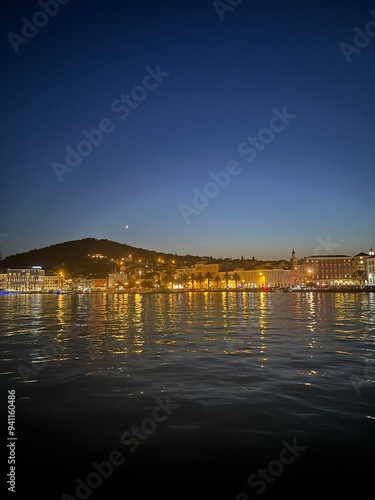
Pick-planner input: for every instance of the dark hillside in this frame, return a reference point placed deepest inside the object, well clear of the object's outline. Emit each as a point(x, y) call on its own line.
point(73, 256)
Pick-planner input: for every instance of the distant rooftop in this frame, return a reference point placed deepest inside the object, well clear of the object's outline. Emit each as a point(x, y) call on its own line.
point(330, 256)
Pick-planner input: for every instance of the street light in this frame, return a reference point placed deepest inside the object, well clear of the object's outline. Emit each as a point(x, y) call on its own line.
point(309, 275)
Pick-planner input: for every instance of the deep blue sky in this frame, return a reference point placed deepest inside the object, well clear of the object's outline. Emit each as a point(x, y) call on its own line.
point(314, 180)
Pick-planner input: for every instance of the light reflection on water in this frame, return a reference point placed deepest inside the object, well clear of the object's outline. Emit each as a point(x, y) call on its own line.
point(260, 349)
point(267, 328)
point(248, 370)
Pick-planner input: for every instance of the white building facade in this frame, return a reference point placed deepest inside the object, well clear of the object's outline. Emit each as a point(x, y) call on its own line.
point(26, 280)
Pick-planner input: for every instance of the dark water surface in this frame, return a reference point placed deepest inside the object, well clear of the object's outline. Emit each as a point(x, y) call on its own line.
point(251, 374)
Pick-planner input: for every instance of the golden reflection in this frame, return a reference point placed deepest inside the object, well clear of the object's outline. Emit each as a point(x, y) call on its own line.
point(342, 308)
point(264, 309)
point(225, 323)
point(207, 299)
point(165, 342)
point(60, 307)
point(311, 312)
point(138, 309)
point(240, 301)
point(225, 308)
point(36, 314)
point(207, 309)
point(343, 352)
point(296, 304)
point(119, 306)
point(138, 341)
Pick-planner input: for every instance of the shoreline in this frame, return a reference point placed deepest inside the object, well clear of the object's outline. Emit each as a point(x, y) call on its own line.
point(247, 290)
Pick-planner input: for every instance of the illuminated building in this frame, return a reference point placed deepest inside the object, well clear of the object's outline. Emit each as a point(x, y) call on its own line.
point(359, 262)
point(370, 268)
point(327, 269)
point(206, 268)
point(51, 281)
point(26, 280)
point(3, 281)
point(117, 279)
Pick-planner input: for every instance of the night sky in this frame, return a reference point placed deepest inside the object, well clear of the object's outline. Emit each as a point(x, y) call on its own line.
point(214, 83)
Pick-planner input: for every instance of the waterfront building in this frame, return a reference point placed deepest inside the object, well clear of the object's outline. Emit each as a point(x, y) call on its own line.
point(82, 284)
point(26, 280)
point(3, 281)
point(229, 279)
point(183, 272)
point(99, 284)
point(359, 262)
point(370, 269)
point(324, 270)
point(306, 271)
point(255, 278)
point(51, 281)
point(270, 278)
point(204, 268)
point(118, 279)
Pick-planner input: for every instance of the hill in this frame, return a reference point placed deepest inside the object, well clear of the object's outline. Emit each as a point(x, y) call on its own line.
point(72, 256)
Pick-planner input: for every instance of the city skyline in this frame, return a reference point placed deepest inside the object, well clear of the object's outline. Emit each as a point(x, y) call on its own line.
point(324, 248)
point(187, 128)
point(132, 274)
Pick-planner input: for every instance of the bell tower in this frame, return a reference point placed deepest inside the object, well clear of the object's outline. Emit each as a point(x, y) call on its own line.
point(294, 278)
point(293, 261)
